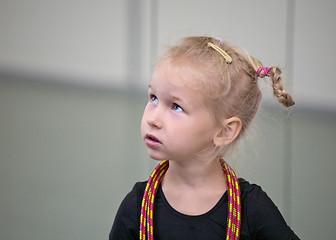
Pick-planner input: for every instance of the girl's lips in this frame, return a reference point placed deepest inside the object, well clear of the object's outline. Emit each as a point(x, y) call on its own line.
point(152, 141)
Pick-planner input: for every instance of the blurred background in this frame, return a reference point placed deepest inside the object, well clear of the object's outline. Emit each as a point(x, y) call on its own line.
point(73, 82)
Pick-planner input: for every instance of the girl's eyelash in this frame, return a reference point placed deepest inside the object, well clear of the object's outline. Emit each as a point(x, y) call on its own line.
point(152, 98)
point(177, 107)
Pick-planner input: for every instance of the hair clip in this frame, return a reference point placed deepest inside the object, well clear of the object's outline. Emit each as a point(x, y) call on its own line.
point(226, 56)
point(265, 69)
point(220, 40)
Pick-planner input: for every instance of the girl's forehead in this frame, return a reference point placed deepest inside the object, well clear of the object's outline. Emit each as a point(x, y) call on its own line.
point(179, 73)
point(177, 83)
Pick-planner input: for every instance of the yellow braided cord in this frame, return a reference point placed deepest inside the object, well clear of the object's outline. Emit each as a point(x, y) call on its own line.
point(237, 232)
point(147, 211)
point(143, 221)
point(153, 173)
point(146, 216)
point(233, 225)
point(233, 229)
point(151, 230)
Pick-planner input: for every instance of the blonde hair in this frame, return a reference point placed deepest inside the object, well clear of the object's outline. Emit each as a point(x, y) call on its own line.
point(231, 88)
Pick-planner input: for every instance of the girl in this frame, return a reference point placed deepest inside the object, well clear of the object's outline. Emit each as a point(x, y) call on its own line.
point(203, 95)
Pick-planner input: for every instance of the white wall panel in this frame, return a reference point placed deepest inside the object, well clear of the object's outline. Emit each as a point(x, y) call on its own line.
point(315, 54)
point(244, 23)
point(84, 41)
point(67, 159)
point(314, 196)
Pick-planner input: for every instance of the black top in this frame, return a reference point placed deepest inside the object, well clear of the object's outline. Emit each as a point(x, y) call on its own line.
point(261, 219)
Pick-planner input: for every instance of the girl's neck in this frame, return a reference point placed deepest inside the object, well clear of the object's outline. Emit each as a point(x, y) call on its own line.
point(202, 184)
point(194, 174)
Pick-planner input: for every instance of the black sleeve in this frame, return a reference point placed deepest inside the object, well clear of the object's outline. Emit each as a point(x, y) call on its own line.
point(264, 219)
point(126, 223)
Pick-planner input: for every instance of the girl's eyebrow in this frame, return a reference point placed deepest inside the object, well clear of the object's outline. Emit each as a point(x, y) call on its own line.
point(174, 97)
point(151, 87)
point(177, 99)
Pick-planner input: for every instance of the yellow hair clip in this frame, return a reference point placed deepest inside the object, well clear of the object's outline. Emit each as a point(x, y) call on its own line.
point(226, 56)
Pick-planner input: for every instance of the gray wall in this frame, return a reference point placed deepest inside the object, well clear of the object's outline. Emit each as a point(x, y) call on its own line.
point(73, 78)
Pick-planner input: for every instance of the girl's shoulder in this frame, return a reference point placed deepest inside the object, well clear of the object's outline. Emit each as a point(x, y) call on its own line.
point(255, 200)
point(261, 215)
point(250, 190)
point(139, 187)
point(252, 195)
point(133, 198)
point(126, 222)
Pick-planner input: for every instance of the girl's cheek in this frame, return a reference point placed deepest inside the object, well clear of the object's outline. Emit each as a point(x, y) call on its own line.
point(144, 117)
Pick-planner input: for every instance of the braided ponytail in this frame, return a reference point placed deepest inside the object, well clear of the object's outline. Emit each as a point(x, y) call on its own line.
point(274, 73)
point(279, 92)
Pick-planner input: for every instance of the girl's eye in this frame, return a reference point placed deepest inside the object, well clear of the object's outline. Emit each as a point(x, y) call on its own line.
point(154, 99)
point(177, 108)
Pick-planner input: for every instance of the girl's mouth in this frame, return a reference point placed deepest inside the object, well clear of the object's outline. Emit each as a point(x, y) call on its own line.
point(153, 138)
point(152, 141)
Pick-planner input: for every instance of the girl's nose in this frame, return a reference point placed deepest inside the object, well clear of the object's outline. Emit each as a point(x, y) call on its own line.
point(154, 119)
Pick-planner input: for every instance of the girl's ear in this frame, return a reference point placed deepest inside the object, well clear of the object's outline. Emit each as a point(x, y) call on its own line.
point(228, 133)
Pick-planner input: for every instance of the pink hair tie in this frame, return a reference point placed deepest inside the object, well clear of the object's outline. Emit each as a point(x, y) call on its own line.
point(265, 69)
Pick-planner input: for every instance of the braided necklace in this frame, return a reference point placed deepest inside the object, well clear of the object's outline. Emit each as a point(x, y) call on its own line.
point(147, 205)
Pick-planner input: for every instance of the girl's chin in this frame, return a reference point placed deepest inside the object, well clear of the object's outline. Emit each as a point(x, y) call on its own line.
point(156, 156)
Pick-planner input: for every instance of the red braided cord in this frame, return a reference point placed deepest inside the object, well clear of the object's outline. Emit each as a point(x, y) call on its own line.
point(151, 206)
point(234, 209)
point(231, 205)
point(238, 205)
point(147, 205)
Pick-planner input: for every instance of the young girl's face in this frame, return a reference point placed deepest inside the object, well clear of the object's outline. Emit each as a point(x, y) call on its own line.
point(176, 125)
